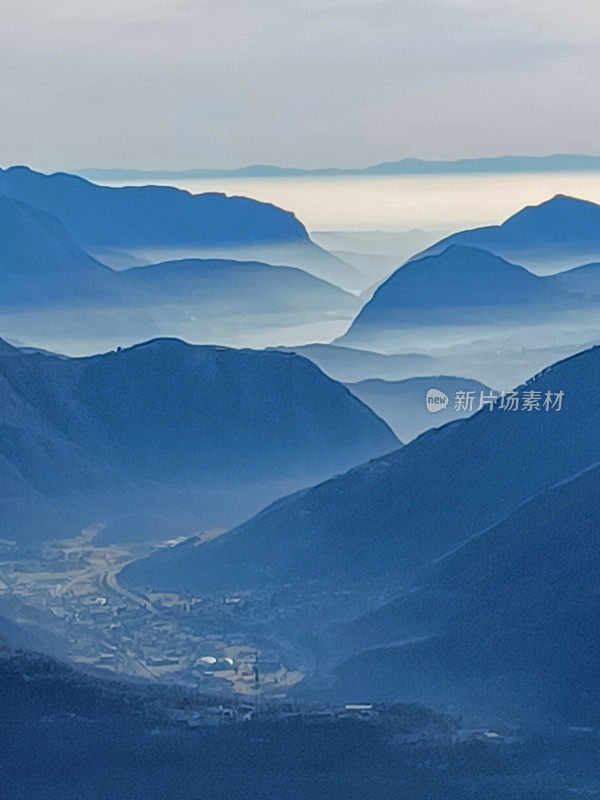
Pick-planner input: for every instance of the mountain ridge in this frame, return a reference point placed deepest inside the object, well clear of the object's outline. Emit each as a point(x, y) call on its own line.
point(460, 285)
point(405, 166)
point(559, 233)
point(126, 223)
point(40, 264)
point(168, 414)
point(88, 210)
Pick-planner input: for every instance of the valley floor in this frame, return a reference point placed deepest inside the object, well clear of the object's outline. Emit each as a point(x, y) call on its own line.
point(69, 595)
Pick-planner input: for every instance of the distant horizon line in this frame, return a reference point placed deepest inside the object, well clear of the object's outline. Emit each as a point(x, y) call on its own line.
point(559, 162)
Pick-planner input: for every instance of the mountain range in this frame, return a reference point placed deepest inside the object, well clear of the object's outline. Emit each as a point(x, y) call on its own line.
point(394, 514)
point(460, 568)
point(405, 166)
point(558, 234)
point(483, 529)
point(103, 216)
point(153, 222)
point(170, 418)
point(43, 268)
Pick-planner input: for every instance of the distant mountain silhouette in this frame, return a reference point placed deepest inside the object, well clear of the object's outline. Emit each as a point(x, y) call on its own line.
point(225, 287)
point(584, 280)
point(402, 404)
point(119, 221)
point(375, 253)
point(347, 364)
point(171, 414)
point(458, 286)
point(41, 265)
point(557, 234)
point(405, 166)
point(498, 164)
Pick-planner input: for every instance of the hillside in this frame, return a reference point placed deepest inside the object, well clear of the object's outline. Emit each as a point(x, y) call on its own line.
point(383, 520)
point(459, 286)
point(169, 414)
point(508, 621)
point(40, 263)
point(56, 718)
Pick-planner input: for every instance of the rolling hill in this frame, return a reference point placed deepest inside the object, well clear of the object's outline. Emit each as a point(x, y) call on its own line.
point(223, 288)
point(459, 286)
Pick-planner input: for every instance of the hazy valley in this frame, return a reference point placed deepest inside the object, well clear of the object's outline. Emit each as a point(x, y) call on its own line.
point(255, 491)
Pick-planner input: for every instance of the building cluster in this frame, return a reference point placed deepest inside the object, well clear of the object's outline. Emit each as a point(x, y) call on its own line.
point(71, 590)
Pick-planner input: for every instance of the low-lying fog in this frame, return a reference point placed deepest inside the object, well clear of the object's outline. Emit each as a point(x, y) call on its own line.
point(400, 202)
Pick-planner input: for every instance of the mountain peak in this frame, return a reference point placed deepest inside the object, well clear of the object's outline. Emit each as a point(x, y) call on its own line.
point(178, 414)
point(468, 255)
point(562, 216)
point(459, 276)
point(562, 198)
point(556, 234)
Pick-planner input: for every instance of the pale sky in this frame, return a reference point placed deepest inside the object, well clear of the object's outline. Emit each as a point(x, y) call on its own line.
point(202, 83)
